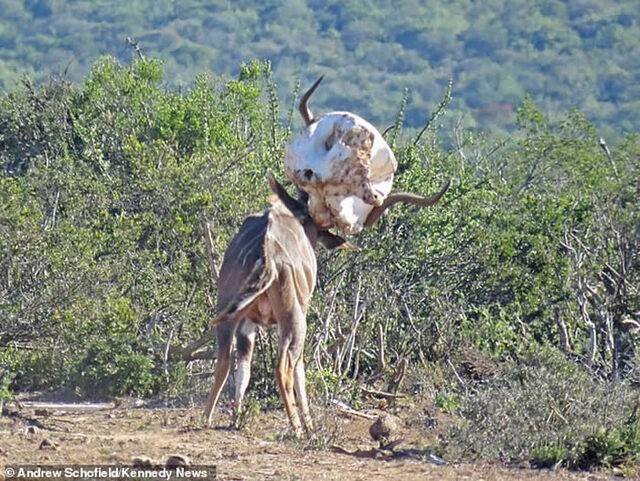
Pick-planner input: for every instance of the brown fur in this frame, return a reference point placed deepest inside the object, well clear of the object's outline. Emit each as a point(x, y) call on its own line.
point(267, 277)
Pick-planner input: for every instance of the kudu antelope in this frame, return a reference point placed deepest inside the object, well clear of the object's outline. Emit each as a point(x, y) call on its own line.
point(267, 278)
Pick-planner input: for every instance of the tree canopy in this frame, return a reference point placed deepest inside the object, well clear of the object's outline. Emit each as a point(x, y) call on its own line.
point(565, 55)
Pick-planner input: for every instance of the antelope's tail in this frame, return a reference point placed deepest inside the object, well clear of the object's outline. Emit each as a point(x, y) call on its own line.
point(258, 282)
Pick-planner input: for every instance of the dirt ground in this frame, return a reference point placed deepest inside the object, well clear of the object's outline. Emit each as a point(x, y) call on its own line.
point(263, 451)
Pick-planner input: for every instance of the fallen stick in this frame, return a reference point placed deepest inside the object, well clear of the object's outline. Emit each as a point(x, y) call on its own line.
point(67, 406)
point(384, 452)
point(62, 420)
point(343, 408)
point(375, 392)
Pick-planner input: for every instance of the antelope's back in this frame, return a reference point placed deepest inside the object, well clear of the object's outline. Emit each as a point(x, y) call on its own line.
point(264, 245)
point(288, 246)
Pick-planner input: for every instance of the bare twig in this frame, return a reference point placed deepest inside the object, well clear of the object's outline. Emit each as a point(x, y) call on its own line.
point(136, 46)
point(376, 392)
point(437, 112)
point(398, 377)
point(213, 266)
point(343, 408)
point(532, 170)
point(187, 353)
point(565, 343)
point(455, 372)
point(55, 208)
point(382, 364)
point(418, 344)
point(605, 148)
point(165, 362)
point(358, 314)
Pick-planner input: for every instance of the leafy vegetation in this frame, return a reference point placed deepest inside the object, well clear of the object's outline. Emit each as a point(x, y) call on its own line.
point(105, 192)
point(112, 189)
point(557, 413)
point(564, 54)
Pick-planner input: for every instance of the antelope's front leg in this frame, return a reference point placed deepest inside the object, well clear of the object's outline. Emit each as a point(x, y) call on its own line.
point(287, 358)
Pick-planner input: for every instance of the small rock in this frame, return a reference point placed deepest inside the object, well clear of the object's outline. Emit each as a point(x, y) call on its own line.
point(385, 428)
point(42, 412)
point(48, 444)
point(142, 462)
point(378, 454)
point(433, 459)
point(177, 461)
point(32, 429)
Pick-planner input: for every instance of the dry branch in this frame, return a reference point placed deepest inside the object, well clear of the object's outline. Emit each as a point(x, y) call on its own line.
point(343, 408)
point(375, 392)
point(382, 364)
point(213, 266)
point(189, 353)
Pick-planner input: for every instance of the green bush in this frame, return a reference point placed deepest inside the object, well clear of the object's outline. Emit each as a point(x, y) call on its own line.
point(108, 189)
point(6, 393)
point(612, 447)
point(113, 367)
point(548, 410)
point(549, 455)
point(604, 448)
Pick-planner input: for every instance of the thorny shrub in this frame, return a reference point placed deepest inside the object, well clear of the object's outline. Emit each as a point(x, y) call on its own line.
point(549, 410)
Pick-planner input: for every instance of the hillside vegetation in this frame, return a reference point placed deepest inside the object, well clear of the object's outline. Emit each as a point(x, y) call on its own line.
point(523, 282)
point(581, 54)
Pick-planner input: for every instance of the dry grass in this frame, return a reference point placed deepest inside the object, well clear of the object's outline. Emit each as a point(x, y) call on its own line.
point(260, 451)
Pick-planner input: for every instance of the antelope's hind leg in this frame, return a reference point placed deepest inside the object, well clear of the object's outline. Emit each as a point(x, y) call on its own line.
point(245, 343)
point(224, 332)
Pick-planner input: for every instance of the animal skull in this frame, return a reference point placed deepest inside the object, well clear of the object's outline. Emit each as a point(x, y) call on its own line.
point(345, 168)
point(344, 165)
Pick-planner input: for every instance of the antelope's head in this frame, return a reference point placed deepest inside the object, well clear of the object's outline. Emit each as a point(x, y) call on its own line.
point(300, 210)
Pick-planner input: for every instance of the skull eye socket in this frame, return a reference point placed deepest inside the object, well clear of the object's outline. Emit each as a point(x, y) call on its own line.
point(331, 140)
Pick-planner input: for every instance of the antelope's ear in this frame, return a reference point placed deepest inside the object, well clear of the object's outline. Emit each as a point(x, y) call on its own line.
point(332, 241)
point(296, 207)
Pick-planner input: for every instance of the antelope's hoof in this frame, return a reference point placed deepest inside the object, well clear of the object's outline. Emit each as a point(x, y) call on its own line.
point(309, 427)
point(207, 421)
